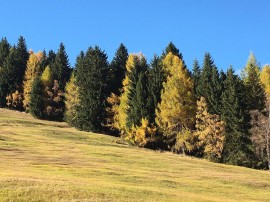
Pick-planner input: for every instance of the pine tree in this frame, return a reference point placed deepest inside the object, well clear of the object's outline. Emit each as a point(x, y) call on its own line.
point(137, 93)
point(237, 146)
point(60, 67)
point(32, 71)
point(72, 100)
point(209, 85)
point(4, 50)
point(253, 86)
point(176, 112)
point(92, 83)
point(8, 83)
point(117, 70)
point(22, 56)
point(137, 103)
point(196, 75)
point(156, 78)
point(36, 104)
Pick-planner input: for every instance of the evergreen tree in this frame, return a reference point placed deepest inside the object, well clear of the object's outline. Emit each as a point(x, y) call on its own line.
point(92, 83)
point(237, 146)
point(60, 67)
point(22, 56)
point(176, 112)
point(196, 75)
point(135, 112)
point(8, 83)
point(118, 70)
point(156, 78)
point(253, 86)
point(137, 103)
point(36, 104)
point(209, 86)
point(4, 50)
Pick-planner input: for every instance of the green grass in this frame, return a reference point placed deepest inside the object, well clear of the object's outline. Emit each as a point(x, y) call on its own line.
point(49, 161)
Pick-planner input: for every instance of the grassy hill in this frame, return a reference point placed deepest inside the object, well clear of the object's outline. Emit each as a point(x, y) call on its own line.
point(49, 161)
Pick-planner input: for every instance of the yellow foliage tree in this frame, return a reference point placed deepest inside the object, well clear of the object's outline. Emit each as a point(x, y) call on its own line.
point(72, 100)
point(176, 112)
point(141, 135)
point(46, 77)
point(112, 112)
point(32, 71)
point(209, 131)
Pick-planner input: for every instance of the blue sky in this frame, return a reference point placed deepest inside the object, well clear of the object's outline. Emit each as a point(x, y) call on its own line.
point(229, 29)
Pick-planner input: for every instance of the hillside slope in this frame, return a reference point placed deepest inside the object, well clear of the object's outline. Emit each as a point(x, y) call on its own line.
point(49, 161)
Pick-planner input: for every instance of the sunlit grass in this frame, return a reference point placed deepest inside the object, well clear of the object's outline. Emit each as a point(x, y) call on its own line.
point(49, 161)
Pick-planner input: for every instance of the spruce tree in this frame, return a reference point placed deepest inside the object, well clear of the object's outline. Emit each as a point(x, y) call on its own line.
point(4, 50)
point(22, 56)
point(117, 70)
point(136, 109)
point(60, 67)
point(137, 103)
point(237, 146)
point(196, 75)
point(253, 87)
point(8, 83)
point(92, 83)
point(209, 85)
point(156, 78)
point(36, 105)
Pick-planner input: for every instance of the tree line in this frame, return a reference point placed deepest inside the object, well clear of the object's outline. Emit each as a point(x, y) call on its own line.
point(161, 105)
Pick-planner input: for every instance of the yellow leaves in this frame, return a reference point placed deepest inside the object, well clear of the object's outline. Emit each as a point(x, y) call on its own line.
point(177, 108)
point(32, 71)
point(141, 135)
point(46, 77)
point(209, 130)
point(265, 78)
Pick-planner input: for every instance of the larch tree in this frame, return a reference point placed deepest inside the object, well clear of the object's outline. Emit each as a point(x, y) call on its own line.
point(209, 131)
point(32, 71)
point(176, 112)
point(72, 100)
point(262, 135)
point(92, 83)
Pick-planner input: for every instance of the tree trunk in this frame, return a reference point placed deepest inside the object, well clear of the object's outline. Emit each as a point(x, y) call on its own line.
point(267, 136)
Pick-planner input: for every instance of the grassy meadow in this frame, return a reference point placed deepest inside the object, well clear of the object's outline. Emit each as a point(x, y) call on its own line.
point(49, 161)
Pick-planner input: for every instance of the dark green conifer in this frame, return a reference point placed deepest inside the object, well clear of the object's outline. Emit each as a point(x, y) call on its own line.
point(196, 75)
point(21, 55)
point(60, 67)
point(36, 104)
point(8, 81)
point(118, 70)
point(253, 87)
point(156, 78)
point(92, 82)
point(4, 50)
point(237, 147)
point(209, 86)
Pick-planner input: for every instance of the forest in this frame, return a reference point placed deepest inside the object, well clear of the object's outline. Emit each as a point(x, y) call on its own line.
point(200, 111)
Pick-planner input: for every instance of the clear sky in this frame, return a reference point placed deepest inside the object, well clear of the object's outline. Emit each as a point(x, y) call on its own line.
point(229, 29)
